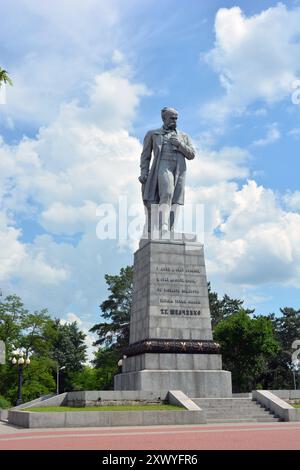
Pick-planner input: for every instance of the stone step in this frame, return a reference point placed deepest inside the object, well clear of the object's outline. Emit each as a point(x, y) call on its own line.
point(224, 398)
point(234, 410)
point(215, 407)
point(241, 412)
point(235, 401)
point(230, 412)
point(232, 405)
point(230, 408)
point(218, 405)
point(242, 420)
point(237, 415)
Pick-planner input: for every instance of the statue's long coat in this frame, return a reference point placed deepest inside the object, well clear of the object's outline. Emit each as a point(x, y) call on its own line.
point(153, 143)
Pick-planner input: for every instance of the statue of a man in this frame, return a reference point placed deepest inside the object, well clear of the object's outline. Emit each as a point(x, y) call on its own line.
point(164, 184)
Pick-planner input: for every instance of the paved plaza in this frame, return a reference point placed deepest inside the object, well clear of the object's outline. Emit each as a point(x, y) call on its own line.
point(254, 436)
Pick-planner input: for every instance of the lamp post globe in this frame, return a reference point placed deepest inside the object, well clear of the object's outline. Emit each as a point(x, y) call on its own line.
point(20, 361)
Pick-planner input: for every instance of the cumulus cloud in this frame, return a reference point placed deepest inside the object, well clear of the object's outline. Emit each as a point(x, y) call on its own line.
point(68, 219)
point(114, 100)
point(259, 241)
point(256, 57)
point(20, 260)
point(76, 158)
point(45, 74)
point(57, 180)
point(292, 200)
point(212, 180)
point(12, 251)
point(210, 167)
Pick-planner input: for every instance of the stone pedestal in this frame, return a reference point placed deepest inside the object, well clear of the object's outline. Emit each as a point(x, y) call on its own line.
point(171, 345)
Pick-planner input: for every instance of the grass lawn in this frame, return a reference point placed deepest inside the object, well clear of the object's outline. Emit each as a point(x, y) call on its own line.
point(297, 406)
point(106, 408)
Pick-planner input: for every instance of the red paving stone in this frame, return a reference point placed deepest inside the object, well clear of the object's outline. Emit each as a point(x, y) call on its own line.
point(258, 436)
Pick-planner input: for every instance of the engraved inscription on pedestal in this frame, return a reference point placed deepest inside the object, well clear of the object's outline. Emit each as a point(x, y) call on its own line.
point(170, 299)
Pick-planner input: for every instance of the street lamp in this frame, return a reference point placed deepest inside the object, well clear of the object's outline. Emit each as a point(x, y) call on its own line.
point(57, 377)
point(295, 368)
point(20, 361)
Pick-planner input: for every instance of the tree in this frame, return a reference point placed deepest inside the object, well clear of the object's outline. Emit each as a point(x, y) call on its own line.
point(34, 326)
point(86, 379)
point(21, 329)
point(117, 310)
point(247, 345)
point(287, 329)
point(106, 363)
point(222, 309)
point(38, 379)
point(12, 312)
point(114, 333)
point(4, 78)
point(67, 349)
point(67, 345)
point(48, 342)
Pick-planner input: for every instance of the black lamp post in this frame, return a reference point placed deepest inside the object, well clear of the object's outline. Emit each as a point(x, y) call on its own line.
point(57, 377)
point(20, 361)
point(295, 369)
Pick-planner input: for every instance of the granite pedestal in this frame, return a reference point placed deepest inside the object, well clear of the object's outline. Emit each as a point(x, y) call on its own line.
point(171, 345)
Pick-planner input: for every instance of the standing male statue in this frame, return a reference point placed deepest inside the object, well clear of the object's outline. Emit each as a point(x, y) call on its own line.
point(164, 184)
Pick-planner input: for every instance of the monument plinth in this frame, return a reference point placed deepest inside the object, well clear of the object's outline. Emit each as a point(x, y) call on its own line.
point(171, 345)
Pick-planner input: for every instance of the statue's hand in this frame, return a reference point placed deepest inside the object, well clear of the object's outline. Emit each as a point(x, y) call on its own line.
point(143, 179)
point(175, 141)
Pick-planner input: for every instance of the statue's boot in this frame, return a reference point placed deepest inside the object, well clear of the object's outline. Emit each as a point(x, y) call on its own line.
point(164, 213)
point(174, 215)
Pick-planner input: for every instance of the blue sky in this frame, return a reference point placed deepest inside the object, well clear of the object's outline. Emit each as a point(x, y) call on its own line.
point(90, 79)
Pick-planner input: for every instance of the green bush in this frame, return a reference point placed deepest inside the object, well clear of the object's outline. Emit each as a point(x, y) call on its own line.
point(4, 403)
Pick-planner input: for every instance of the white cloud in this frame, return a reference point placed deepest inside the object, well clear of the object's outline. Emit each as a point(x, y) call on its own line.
point(73, 164)
point(12, 252)
point(210, 167)
point(44, 73)
point(259, 242)
point(295, 132)
point(68, 219)
point(212, 180)
point(255, 57)
point(292, 200)
point(25, 261)
point(114, 100)
point(57, 180)
point(250, 239)
point(273, 134)
point(71, 317)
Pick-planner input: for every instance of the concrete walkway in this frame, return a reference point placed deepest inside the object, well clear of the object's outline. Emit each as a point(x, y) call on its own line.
point(258, 436)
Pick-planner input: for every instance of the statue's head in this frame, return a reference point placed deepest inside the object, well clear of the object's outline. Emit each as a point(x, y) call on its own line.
point(169, 117)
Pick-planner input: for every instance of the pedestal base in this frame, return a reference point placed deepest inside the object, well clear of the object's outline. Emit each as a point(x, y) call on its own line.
point(194, 383)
